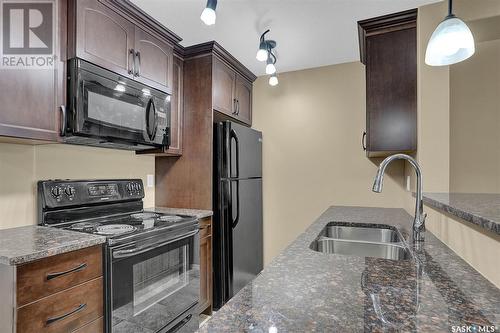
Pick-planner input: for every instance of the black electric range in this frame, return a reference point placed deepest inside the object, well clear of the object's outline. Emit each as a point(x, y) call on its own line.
point(151, 259)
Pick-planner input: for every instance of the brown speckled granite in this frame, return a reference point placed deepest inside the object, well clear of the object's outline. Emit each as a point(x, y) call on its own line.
point(199, 213)
point(482, 209)
point(305, 291)
point(25, 244)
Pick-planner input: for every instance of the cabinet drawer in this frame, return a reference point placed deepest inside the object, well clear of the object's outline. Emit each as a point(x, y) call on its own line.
point(65, 311)
point(50, 275)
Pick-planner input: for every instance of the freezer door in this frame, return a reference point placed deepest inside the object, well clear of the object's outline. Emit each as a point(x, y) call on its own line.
point(243, 151)
point(246, 243)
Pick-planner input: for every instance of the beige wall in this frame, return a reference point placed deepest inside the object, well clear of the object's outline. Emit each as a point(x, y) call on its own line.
point(475, 121)
point(434, 114)
point(22, 165)
point(312, 158)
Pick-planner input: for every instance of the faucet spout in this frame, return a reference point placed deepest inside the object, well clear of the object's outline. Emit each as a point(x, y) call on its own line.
point(419, 219)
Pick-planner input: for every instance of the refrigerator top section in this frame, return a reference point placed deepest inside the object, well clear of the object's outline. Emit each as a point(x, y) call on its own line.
point(242, 152)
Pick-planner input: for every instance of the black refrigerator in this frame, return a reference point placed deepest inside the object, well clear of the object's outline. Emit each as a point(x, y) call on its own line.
point(237, 226)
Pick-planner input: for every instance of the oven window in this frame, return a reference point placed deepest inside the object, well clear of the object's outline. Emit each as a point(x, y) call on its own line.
point(115, 112)
point(157, 278)
point(152, 288)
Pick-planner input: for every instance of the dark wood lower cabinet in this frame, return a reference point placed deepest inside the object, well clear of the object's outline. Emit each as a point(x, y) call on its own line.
point(65, 311)
point(60, 293)
point(205, 305)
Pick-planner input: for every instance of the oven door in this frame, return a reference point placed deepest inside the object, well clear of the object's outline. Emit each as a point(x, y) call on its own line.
point(110, 107)
point(154, 283)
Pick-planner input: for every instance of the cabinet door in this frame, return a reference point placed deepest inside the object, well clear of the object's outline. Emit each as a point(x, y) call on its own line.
point(243, 95)
point(154, 61)
point(177, 109)
point(223, 88)
point(103, 37)
point(31, 99)
point(391, 93)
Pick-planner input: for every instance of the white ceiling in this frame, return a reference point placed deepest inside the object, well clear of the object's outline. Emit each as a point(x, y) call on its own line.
point(310, 33)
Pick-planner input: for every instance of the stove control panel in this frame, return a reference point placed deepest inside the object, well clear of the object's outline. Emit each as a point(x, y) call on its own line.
point(61, 193)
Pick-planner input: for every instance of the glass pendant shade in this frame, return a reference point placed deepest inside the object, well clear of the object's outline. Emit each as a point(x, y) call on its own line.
point(270, 69)
point(208, 16)
point(273, 80)
point(451, 42)
point(262, 53)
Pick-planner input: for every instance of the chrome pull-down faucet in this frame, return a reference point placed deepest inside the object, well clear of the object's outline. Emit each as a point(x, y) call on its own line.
point(419, 220)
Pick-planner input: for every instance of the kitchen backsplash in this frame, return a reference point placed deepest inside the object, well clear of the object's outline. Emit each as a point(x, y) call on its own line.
point(22, 165)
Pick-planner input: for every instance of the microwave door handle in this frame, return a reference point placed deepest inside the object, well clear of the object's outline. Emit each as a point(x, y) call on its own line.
point(141, 249)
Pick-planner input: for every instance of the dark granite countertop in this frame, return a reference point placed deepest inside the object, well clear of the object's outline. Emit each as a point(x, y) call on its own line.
point(482, 209)
point(199, 213)
point(24, 244)
point(306, 291)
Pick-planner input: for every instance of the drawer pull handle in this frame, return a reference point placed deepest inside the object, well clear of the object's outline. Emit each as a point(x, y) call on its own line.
point(58, 318)
point(80, 267)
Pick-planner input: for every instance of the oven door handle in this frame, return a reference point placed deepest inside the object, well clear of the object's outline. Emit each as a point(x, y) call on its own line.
point(141, 249)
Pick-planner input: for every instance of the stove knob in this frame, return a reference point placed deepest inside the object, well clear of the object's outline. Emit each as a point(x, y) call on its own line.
point(129, 187)
point(70, 191)
point(56, 191)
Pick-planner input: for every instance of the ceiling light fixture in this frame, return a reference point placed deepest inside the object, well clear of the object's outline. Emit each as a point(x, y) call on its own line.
point(265, 47)
point(273, 80)
point(451, 42)
point(208, 15)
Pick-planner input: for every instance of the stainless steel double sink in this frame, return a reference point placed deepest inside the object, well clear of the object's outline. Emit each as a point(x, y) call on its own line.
point(379, 241)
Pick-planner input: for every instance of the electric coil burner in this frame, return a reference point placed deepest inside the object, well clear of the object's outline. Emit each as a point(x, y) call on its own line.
point(151, 259)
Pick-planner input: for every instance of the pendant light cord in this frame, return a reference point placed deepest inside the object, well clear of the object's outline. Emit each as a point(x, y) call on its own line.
point(450, 8)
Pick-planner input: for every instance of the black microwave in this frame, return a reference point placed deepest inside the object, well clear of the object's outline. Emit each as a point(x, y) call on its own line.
point(106, 109)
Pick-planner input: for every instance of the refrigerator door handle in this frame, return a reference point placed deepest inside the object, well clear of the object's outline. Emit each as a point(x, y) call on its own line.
point(237, 218)
point(233, 136)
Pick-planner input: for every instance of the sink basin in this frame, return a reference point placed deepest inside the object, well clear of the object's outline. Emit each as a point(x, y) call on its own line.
point(379, 241)
point(361, 249)
point(378, 234)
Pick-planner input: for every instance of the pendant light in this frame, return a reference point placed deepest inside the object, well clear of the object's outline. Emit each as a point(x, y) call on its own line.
point(273, 80)
point(270, 68)
point(451, 42)
point(208, 15)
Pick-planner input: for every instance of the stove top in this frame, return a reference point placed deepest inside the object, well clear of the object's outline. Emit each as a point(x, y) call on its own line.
point(112, 208)
point(135, 223)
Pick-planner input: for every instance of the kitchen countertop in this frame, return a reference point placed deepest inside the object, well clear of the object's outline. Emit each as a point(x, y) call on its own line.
point(199, 213)
point(482, 209)
point(24, 244)
point(302, 290)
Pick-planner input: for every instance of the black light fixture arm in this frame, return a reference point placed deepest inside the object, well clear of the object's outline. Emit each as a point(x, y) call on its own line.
point(262, 37)
point(450, 9)
point(271, 55)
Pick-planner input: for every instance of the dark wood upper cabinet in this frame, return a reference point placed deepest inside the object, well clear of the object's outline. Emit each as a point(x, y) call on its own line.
point(103, 37)
point(177, 110)
point(388, 46)
point(31, 99)
point(224, 79)
point(243, 96)
point(120, 37)
point(232, 92)
point(154, 60)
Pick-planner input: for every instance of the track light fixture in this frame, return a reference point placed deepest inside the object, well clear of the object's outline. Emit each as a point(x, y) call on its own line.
point(265, 53)
point(451, 42)
point(208, 15)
